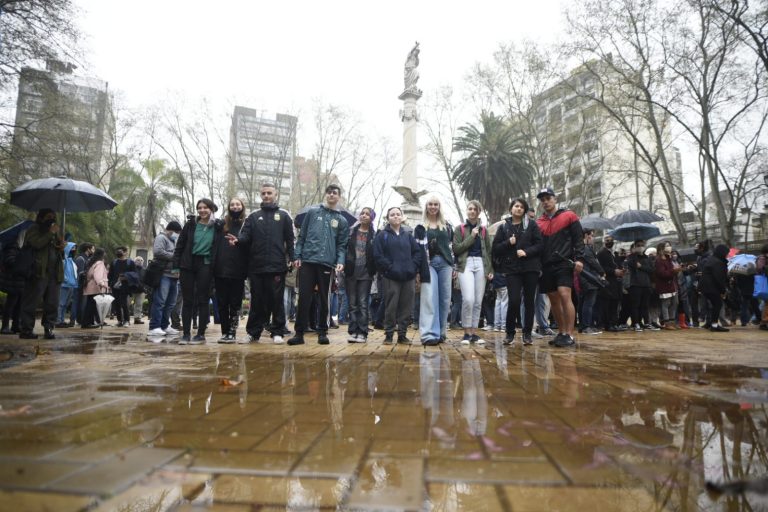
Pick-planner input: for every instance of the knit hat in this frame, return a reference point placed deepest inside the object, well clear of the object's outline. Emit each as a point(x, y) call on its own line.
point(173, 226)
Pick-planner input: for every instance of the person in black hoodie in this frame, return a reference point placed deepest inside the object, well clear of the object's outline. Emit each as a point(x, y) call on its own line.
point(267, 236)
point(194, 255)
point(640, 271)
point(610, 296)
point(118, 283)
point(399, 259)
point(714, 284)
point(229, 271)
point(359, 269)
point(517, 253)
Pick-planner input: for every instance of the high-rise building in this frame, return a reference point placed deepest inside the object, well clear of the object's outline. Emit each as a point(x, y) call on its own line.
point(64, 125)
point(261, 150)
point(589, 158)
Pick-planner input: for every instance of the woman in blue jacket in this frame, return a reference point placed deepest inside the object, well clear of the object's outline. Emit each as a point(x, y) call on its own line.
point(398, 258)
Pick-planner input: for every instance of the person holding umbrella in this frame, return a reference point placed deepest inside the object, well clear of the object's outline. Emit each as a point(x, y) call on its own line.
point(97, 282)
point(47, 249)
point(193, 255)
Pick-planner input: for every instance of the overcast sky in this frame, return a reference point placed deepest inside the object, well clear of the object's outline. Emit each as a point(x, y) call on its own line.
point(279, 56)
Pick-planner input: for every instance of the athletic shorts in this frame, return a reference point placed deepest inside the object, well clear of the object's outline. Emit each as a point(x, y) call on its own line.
point(554, 277)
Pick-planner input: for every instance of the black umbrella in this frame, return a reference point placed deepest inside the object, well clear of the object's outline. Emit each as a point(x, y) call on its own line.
point(643, 216)
point(10, 235)
point(299, 220)
point(61, 194)
point(594, 221)
point(585, 273)
point(634, 231)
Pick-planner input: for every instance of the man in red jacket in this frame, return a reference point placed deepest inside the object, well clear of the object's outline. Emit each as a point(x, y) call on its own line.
point(563, 243)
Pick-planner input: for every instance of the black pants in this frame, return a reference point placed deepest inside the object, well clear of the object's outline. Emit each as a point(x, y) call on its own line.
point(640, 297)
point(715, 305)
point(313, 275)
point(35, 289)
point(267, 310)
point(90, 316)
point(196, 291)
point(12, 310)
point(121, 303)
point(229, 299)
point(521, 286)
point(608, 310)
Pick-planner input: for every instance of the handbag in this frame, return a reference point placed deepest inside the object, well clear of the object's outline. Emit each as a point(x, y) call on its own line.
point(154, 274)
point(761, 287)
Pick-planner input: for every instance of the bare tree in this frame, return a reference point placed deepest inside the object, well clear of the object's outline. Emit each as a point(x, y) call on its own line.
point(441, 122)
point(615, 40)
point(752, 20)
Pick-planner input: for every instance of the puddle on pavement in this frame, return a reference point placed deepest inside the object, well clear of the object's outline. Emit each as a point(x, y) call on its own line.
point(368, 426)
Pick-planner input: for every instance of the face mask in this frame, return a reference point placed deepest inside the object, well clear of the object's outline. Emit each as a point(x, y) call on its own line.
point(235, 215)
point(48, 223)
point(639, 250)
point(174, 237)
point(609, 244)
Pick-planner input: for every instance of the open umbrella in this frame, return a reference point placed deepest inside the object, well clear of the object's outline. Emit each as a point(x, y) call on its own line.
point(351, 219)
point(643, 216)
point(103, 304)
point(10, 235)
point(594, 221)
point(632, 231)
point(61, 194)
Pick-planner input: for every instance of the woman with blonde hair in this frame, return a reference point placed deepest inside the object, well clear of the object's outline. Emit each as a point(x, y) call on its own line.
point(434, 235)
point(472, 247)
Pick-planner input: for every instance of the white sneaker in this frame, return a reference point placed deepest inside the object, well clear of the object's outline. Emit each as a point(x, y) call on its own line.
point(480, 341)
point(171, 331)
point(156, 332)
point(278, 340)
point(353, 338)
point(487, 327)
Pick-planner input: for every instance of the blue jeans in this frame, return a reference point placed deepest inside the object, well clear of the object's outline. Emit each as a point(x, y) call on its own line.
point(435, 300)
point(65, 295)
point(163, 302)
point(358, 293)
point(541, 308)
point(588, 298)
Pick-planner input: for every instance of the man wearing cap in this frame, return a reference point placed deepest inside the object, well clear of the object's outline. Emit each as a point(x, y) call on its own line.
point(164, 296)
point(563, 243)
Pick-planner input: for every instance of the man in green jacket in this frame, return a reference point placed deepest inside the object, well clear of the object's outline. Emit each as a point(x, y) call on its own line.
point(320, 250)
point(47, 246)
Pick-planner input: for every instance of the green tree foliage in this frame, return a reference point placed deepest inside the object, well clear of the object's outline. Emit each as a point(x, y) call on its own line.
point(494, 167)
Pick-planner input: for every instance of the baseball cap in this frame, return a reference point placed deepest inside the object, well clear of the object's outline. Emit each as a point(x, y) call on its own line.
point(548, 191)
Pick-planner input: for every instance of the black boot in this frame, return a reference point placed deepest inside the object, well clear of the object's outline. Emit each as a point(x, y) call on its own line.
point(49, 334)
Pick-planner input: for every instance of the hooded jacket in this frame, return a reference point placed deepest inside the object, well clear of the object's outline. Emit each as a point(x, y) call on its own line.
point(640, 275)
point(528, 238)
point(563, 236)
point(323, 237)
point(267, 236)
point(70, 268)
point(398, 256)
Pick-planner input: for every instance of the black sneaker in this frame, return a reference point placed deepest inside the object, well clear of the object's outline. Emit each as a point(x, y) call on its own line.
point(322, 339)
point(556, 339)
point(49, 334)
point(564, 341)
point(651, 327)
point(402, 339)
point(27, 336)
point(719, 328)
point(198, 339)
point(527, 339)
point(389, 339)
point(298, 339)
point(185, 339)
point(430, 343)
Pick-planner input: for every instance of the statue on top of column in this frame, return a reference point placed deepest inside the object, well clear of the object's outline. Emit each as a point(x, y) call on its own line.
point(411, 69)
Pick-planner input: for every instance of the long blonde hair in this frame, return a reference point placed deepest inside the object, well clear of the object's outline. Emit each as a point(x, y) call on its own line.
point(440, 217)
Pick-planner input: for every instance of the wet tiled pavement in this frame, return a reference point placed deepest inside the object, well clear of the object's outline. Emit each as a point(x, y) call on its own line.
point(626, 422)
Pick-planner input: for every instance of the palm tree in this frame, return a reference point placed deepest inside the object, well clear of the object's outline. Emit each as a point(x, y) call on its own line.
point(494, 168)
point(157, 193)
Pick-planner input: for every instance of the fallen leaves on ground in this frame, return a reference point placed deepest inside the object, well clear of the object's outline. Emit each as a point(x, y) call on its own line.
point(20, 411)
point(230, 383)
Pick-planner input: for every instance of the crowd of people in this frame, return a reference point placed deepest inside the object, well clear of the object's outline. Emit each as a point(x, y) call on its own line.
point(541, 276)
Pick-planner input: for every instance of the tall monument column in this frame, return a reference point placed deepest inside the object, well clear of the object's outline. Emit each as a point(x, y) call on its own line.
point(409, 115)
